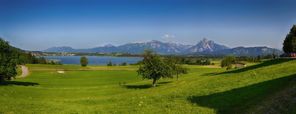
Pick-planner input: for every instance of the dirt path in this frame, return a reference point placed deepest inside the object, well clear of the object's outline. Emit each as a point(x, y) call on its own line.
point(25, 71)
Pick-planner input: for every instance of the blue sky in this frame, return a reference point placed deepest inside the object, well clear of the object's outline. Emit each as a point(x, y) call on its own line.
point(40, 24)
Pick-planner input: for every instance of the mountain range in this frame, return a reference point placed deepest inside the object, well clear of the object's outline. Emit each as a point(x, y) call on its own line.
point(204, 47)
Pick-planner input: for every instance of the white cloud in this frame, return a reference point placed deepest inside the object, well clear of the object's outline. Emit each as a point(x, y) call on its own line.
point(168, 37)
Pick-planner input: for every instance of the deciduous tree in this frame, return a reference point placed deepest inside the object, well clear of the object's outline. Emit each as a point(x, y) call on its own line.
point(83, 61)
point(154, 67)
point(228, 61)
point(7, 61)
point(177, 68)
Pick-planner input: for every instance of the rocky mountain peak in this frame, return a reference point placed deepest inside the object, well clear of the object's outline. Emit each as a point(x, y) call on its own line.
point(206, 45)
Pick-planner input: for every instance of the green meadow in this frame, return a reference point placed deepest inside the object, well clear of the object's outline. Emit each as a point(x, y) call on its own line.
point(118, 89)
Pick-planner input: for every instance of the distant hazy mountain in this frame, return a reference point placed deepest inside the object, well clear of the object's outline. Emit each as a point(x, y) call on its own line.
point(104, 49)
point(159, 47)
point(134, 48)
point(203, 47)
point(60, 49)
point(249, 51)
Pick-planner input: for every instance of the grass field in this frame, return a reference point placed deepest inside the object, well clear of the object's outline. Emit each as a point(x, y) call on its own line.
point(118, 89)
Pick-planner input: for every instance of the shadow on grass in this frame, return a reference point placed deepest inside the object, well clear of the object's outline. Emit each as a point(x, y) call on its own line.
point(260, 65)
point(240, 99)
point(162, 83)
point(263, 64)
point(138, 86)
point(212, 74)
point(18, 83)
point(144, 86)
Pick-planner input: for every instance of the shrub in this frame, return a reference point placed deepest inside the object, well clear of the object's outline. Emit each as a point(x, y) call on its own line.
point(83, 61)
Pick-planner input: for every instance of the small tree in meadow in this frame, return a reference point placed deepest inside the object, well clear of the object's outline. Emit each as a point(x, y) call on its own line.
point(123, 64)
point(83, 61)
point(228, 61)
point(154, 67)
point(177, 68)
point(290, 41)
point(109, 63)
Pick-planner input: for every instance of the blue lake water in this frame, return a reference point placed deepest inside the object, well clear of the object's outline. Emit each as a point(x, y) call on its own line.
point(95, 60)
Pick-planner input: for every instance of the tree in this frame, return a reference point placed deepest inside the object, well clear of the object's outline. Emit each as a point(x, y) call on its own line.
point(290, 41)
point(109, 63)
point(153, 67)
point(180, 70)
point(7, 61)
point(42, 60)
point(83, 61)
point(207, 62)
point(123, 64)
point(177, 69)
point(228, 61)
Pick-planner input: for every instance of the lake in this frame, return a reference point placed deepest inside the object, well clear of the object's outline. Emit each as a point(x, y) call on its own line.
point(95, 60)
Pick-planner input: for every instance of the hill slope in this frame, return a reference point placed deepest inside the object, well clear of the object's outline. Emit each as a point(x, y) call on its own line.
point(101, 88)
point(250, 87)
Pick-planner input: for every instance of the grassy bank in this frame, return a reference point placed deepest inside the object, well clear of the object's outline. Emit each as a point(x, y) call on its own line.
point(118, 89)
